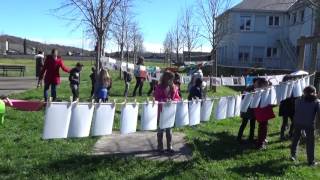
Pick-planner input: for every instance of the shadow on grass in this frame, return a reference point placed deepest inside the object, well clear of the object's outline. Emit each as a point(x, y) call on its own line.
point(277, 167)
point(221, 146)
point(80, 165)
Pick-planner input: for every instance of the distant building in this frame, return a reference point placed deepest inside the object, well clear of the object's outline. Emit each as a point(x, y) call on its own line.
point(264, 33)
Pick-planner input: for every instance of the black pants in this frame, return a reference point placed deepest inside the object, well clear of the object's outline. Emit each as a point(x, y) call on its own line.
point(75, 91)
point(168, 136)
point(310, 141)
point(243, 126)
point(284, 126)
point(92, 89)
point(152, 86)
point(139, 84)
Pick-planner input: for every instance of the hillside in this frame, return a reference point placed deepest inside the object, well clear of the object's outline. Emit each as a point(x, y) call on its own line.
point(16, 46)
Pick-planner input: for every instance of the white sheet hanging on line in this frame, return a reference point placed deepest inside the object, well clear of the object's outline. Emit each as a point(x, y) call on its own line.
point(237, 108)
point(227, 81)
point(221, 110)
point(272, 98)
point(256, 99)
point(81, 118)
point(303, 84)
point(194, 112)
point(149, 117)
point(297, 91)
point(264, 98)
point(246, 101)
point(231, 106)
point(206, 109)
point(289, 90)
point(103, 119)
point(129, 118)
point(307, 79)
point(57, 120)
point(182, 114)
point(168, 115)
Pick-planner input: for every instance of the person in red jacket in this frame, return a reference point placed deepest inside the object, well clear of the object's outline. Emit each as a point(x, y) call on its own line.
point(50, 72)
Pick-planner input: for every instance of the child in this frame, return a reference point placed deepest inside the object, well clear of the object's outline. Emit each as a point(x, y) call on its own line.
point(104, 86)
point(74, 79)
point(166, 91)
point(286, 110)
point(196, 91)
point(127, 79)
point(177, 82)
point(93, 80)
point(139, 78)
point(248, 116)
point(306, 109)
point(153, 83)
point(263, 115)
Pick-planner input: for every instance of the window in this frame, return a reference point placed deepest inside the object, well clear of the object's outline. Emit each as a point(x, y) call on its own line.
point(245, 23)
point(302, 16)
point(244, 53)
point(274, 21)
point(258, 54)
point(272, 52)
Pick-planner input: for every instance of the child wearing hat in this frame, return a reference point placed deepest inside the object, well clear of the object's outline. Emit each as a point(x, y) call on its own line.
point(74, 79)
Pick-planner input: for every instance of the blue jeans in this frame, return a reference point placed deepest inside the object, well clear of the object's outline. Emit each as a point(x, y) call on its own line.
point(53, 91)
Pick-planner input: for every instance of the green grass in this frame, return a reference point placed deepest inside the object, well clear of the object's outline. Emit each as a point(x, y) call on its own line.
point(216, 154)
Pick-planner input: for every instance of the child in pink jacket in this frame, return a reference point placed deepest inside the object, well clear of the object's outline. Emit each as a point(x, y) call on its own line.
point(164, 92)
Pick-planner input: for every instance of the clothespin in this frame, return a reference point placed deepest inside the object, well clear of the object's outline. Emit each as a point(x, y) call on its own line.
point(77, 101)
point(92, 103)
point(197, 100)
point(153, 101)
point(114, 102)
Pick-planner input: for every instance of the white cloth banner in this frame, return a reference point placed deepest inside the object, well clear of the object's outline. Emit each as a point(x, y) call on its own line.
point(297, 91)
point(227, 81)
point(182, 114)
point(221, 110)
point(246, 101)
point(237, 109)
point(149, 117)
point(265, 98)
point(168, 115)
point(81, 118)
point(231, 106)
point(57, 120)
point(194, 112)
point(206, 110)
point(256, 99)
point(289, 90)
point(103, 119)
point(129, 118)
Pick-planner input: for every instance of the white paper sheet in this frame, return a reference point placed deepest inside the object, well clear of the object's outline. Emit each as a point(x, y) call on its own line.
point(231, 106)
point(57, 120)
point(272, 99)
point(303, 84)
point(237, 109)
point(194, 112)
point(307, 79)
point(129, 118)
point(182, 114)
point(149, 117)
point(81, 118)
point(289, 90)
point(103, 119)
point(168, 115)
point(246, 101)
point(206, 109)
point(256, 99)
point(265, 98)
point(221, 110)
point(297, 91)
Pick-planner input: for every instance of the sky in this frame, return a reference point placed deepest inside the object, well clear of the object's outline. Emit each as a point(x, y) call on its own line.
point(36, 20)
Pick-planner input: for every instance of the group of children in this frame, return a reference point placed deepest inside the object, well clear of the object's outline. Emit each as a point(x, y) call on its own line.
point(302, 112)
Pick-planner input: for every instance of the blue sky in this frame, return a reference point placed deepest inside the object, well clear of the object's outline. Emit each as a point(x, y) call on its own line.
point(33, 19)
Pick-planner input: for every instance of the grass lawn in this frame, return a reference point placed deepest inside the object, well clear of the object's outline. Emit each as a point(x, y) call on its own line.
point(216, 154)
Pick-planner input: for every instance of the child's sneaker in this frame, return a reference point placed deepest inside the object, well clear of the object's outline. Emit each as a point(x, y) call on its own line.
point(313, 164)
point(293, 158)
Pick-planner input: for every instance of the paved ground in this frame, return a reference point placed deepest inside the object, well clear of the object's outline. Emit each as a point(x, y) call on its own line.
point(10, 85)
point(143, 145)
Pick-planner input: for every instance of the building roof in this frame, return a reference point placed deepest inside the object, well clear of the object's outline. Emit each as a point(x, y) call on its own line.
point(265, 5)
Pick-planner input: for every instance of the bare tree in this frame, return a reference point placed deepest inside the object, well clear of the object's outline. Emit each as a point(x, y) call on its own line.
point(190, 31)
point(137, 40)
point(178, 38)
point(96, 15)
point(208, 12)
point(168, 47)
